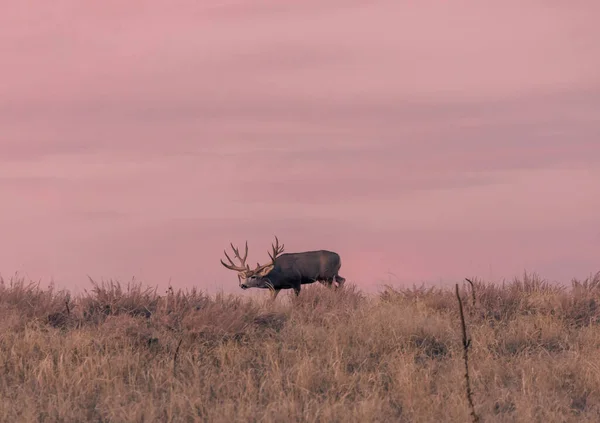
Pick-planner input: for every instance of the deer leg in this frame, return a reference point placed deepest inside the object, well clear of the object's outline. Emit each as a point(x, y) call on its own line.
point(297, 283)
point(274, 293)
point(297, 288)
point(339, 280)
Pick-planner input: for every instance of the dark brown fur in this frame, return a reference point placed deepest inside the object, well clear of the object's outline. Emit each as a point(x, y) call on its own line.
point(292, 270)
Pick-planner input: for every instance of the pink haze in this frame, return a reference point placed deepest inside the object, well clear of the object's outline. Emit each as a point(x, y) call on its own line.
point(423, 141)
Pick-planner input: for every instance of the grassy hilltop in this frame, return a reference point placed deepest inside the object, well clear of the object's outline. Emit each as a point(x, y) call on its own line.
point(131, 354)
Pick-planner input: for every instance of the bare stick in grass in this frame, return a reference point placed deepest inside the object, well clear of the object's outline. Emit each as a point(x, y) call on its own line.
point(472, 290)
point(466, 344)
point(176, 355)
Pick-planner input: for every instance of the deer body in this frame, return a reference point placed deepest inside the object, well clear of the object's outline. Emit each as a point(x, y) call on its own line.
point(289, 270)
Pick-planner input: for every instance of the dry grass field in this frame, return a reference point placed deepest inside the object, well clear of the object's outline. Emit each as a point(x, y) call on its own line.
point(130, 354)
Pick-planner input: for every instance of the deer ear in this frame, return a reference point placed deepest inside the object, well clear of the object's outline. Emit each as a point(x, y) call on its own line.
point(266, 270)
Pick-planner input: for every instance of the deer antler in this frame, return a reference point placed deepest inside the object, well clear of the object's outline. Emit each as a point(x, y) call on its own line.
point(232, 265)
point(276, 250)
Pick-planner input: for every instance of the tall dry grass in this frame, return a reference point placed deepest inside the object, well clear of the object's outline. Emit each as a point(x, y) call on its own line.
point(127, 353)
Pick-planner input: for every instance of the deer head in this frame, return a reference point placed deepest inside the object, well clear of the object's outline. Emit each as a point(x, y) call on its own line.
point(249, 278)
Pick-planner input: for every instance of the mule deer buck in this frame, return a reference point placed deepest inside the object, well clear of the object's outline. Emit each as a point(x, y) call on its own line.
point(287, 270)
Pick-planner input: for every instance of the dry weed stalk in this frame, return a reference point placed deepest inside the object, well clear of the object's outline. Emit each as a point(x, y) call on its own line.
point(466, 343)
point(472, 291)
point(176, 355)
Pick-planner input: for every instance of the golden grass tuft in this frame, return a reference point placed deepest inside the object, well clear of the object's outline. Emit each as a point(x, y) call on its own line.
point(127, 353)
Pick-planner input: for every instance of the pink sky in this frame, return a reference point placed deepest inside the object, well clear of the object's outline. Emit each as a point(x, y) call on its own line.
point(433, 140)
